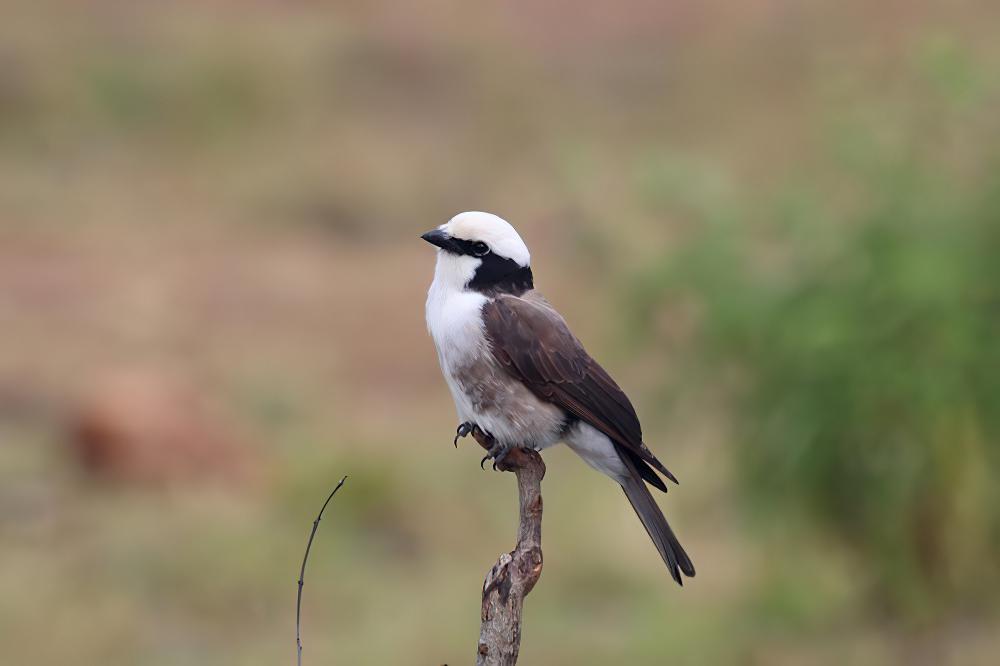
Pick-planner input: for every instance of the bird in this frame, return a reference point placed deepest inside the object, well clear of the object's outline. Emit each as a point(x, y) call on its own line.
point(518, 374)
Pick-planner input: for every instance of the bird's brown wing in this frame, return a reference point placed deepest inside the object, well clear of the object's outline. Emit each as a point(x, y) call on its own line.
point(533, 343)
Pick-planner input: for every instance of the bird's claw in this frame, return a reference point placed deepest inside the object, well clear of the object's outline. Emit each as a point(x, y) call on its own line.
point(463, 430)
point(497, 453)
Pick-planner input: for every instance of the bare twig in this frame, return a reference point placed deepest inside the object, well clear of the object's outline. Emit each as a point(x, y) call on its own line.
point(515, 573)
point(302, 573)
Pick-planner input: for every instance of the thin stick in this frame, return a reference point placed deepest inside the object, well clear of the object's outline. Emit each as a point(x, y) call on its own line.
point(302, 573)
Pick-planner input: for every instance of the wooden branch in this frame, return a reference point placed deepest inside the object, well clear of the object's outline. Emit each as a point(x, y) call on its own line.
point(516, 572)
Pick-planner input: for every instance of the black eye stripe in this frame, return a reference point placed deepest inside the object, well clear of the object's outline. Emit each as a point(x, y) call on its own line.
point(496, 274)
point(471, 248)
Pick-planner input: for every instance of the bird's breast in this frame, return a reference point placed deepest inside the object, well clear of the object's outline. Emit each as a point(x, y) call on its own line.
point(455, 322)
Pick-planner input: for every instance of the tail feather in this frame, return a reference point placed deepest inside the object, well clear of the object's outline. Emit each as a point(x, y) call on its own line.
point(656, 525)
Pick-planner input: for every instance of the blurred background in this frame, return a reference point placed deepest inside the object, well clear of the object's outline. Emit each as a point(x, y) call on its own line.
point(777, 223)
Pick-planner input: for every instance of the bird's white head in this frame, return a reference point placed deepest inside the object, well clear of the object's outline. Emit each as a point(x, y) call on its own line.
point(480, 252)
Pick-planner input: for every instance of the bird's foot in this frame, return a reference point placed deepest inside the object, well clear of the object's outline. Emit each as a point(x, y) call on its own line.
point(470, 428)
point(464, 429)
point(497, 453)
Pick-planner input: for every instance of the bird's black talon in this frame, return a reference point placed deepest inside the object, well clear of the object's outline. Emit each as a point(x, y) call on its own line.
point(463, 430)
point(496, 453)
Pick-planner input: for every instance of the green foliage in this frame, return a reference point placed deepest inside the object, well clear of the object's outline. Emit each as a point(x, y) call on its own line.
point(867, 365)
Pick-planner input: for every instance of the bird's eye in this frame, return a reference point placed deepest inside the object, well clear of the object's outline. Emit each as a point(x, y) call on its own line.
point(480, 249)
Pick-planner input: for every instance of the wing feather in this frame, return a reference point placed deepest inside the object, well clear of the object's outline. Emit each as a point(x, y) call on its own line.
point(533, 343)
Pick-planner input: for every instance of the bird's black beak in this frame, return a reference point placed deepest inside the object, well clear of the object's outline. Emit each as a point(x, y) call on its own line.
point(442, 240)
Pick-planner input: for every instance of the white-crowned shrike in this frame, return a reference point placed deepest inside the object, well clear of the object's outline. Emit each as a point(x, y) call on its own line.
point(518, 374)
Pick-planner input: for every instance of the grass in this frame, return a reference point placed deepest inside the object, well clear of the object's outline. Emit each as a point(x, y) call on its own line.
point(861, 363)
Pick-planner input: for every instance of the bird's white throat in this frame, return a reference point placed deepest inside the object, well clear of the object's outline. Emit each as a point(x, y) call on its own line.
point(454, 314)
point(453, 271)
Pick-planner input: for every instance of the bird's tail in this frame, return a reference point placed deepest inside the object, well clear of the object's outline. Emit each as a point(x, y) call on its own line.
point(656, 525)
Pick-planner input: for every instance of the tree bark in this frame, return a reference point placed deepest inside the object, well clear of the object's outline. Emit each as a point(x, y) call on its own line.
point(516, 572)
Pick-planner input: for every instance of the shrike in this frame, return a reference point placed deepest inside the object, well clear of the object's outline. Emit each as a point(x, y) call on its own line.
point(517, 372)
